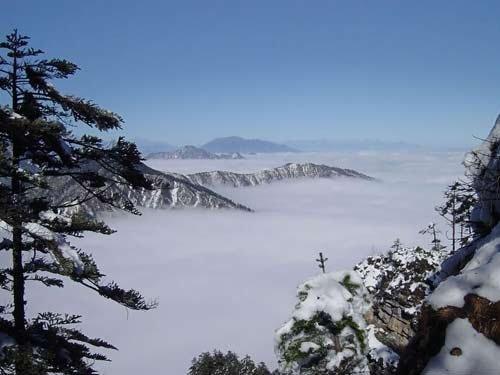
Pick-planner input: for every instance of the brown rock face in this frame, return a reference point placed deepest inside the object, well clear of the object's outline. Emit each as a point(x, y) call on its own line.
point(483, 315)
point(389, 315)
point(398, 282)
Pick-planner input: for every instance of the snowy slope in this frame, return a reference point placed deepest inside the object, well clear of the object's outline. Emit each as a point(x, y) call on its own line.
point(465, 351)
point(480, 276)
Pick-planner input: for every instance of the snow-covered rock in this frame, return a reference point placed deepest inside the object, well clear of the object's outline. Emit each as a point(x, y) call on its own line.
point(382, 296)
point(480, 276)
point(399, 281)
point(483, 168)
point(285, 172)
point(465, 351)
point(459, 326)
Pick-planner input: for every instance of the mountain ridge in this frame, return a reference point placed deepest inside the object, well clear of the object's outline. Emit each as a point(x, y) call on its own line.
point(174, 190)
point(266, 176)
point(192, 152)
point(170, 190)
point(244, 145)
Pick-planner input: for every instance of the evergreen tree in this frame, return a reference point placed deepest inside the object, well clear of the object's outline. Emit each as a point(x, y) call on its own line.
point(434, 232)
point(322, 262)
point(37, 152)
point(456, 210)
point(397, 245)
point(217, 363)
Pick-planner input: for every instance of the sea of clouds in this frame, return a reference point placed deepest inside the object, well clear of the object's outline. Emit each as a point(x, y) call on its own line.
point(226, 279)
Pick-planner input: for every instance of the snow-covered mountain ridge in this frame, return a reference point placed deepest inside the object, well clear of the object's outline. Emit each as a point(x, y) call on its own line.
point(173, 190)
point(285, 172)
point(170, 190)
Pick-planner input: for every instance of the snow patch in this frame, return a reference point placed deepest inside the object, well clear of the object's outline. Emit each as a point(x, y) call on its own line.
point(480, 276)
point(465, 351)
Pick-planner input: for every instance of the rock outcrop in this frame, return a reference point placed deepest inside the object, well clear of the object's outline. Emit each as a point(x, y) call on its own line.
point(458, 330)
point(399, 281)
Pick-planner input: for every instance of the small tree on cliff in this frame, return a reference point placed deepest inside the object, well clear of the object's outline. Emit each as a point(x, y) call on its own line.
point(456, 210)
point(37, 152)
point(434, 232)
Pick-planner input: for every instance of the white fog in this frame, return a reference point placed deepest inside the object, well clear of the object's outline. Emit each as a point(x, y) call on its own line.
point(226, 279)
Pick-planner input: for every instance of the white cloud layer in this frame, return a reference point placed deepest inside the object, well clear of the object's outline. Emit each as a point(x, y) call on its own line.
point(227, 279)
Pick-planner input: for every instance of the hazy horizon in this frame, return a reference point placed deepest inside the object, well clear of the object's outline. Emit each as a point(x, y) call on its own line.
point(148, 145)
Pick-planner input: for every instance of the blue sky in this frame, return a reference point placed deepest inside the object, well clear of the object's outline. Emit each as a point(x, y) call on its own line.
point(186, 71)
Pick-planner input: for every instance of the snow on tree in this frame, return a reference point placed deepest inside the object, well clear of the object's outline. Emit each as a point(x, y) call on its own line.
point(326, 333)
point(218, 363)
point(397, 245)
point(37, 148)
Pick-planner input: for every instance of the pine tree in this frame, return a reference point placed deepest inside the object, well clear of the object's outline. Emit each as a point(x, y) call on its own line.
point(397, 245)
point(225, 364)
point(456, 210)
point(38, 152)
point(322, 262)
point(434, 232)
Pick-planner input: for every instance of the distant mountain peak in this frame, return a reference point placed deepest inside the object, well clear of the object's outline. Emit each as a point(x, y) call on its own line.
point(147, 146)
point(192, 152)
point(243, 145)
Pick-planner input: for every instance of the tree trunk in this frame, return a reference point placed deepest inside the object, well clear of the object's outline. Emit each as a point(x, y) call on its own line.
point(22, 363)
point(453, 224)
point(18, 276)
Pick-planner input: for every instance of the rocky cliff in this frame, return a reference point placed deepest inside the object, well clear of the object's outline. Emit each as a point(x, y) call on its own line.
point(398, 282)
point(458, 330)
